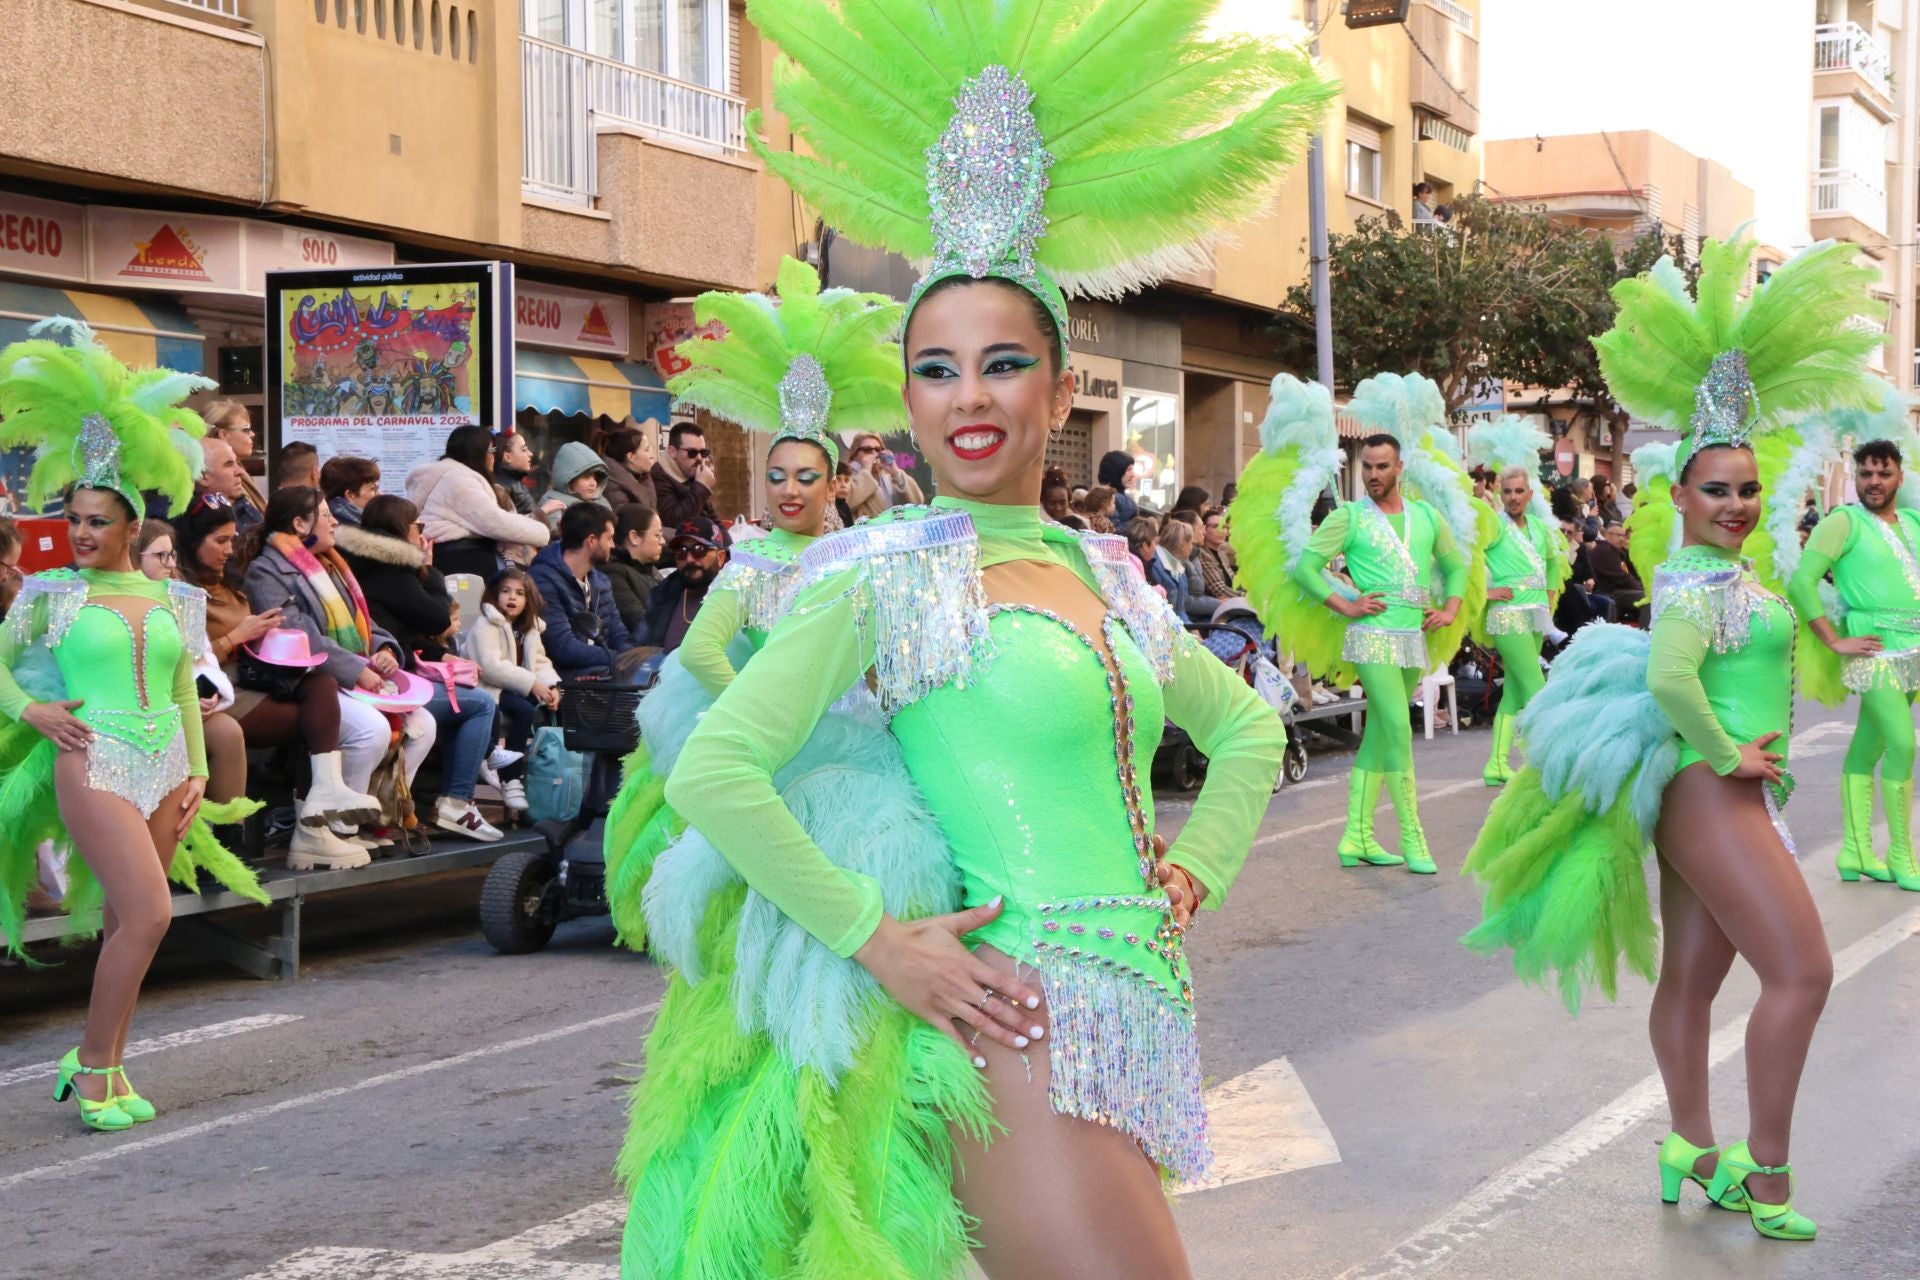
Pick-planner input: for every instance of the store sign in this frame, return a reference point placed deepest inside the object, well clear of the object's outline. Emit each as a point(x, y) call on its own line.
point(1096, 383)
point(276, 246)
point(668, 324)
point(42, 237)
point(173, 251)
point(548, 315)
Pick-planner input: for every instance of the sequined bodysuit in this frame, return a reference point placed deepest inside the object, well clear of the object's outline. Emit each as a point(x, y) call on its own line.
point(123, 645)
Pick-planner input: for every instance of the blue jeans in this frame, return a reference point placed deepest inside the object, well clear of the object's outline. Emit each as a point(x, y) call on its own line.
point(517, 714)
point(465, 738)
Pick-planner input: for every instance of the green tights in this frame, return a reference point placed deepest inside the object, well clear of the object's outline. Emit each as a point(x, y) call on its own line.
point(1520, 660)
point(1386, 745)
point(1883, 736)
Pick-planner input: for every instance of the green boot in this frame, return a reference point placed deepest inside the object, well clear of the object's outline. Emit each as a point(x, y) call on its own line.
point(1406, 807)
point(1499, 772)
point(1900, 832)
point(1857, 857)
point(1357, 844)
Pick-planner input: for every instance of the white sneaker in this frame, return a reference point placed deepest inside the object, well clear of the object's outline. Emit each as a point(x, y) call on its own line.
point(513, 794)
point(463, 819)
point(502, 757)
point(489, 776)
point(314, 848)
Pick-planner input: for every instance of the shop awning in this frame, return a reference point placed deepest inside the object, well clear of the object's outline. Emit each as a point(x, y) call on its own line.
point(147, 333)
point(548, 382)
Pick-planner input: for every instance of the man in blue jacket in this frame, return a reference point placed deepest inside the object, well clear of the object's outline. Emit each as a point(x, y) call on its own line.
point(584, 631)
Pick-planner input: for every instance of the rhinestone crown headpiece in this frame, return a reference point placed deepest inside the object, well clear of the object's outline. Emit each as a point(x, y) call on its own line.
point(1724, 404)
point(805, 399)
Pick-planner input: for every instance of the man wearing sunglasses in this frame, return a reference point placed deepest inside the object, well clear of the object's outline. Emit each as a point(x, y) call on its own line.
point(698, 551)
point(683, 478)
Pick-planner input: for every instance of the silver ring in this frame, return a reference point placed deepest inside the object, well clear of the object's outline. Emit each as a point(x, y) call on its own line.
point(985, 996)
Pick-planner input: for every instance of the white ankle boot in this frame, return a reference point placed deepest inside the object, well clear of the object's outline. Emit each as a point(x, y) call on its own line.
point(317, 847)
point(330, 798)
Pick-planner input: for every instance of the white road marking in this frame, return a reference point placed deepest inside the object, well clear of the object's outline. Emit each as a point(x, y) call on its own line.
point(172, 1040)
point(124, 1148)
point(1439, 1242)
point(1264, 1123)
point(1341, 821)
point(515, 1258)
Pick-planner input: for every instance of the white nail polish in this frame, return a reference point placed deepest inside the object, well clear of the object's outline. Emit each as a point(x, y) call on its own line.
point(979, 1061)
point(1020, 1042)
point(1038, 1032)
point(1033, 1002)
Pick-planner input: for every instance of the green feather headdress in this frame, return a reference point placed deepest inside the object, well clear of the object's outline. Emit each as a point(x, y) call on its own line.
point(802, 366)
point(94, 422)
point(1087, 145)
point(1511, 441)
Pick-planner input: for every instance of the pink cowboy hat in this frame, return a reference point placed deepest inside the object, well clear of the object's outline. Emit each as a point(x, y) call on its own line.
point(410, 692)
point(285, 647)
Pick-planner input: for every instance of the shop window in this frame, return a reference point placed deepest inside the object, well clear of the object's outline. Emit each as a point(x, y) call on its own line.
point(1152, 424)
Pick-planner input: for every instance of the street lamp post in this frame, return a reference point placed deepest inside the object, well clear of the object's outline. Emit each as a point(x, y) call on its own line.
point(1317, 231)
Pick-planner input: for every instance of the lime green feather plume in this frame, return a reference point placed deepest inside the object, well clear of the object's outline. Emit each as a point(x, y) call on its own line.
point(50, 391)
point(1160, 133)
point(748, 374)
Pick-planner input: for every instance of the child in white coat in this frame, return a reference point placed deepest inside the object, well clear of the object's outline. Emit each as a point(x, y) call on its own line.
point(514, 670)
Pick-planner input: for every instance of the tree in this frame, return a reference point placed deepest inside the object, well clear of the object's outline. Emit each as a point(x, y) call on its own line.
point(1502, 291)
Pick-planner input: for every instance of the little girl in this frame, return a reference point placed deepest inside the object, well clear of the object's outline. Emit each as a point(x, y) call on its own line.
point(514, 670)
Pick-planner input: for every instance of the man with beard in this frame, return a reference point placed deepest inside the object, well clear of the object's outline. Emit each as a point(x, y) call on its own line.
point(584, 634)
point(698, 550)
point(1525, 567)
point(1871, 549)
point(1392, 545)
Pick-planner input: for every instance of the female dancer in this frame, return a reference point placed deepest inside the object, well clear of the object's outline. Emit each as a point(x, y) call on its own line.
point(798, 366)
point(1526, 566)
point(1025, 673)
point(1692, 722)
point(112, 721)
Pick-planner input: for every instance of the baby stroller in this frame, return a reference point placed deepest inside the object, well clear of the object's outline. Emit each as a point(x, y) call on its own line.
point(1234, 637)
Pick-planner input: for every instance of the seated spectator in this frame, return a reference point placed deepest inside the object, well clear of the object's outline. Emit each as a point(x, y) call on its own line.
point(1116, 473)
point(1097, 506)
point(634, 570)
point(878, 484)
point(221, 473)
point(1143, 539)
point(579, 475)
point(1176, 558)
point(350, 484)
point(1578, 605)
point(683, 479)
point(230, 422)
point(513, 472)
point(153, 549)
point(1192, 498)
point(1216, 578)
point(630, 453)
point(699, 552)
point(1056, 502)
point(1614, 574)
point(585, 634)
point(469, 520)
point(514, 670)
point(842, 489)
point(299, 465)
point(11, 545)
point(407, 599)
point(344, 739)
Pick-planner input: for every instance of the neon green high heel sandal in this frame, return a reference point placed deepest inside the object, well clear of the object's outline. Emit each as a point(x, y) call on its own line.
point(1857, 857)
point(107, 1117)
point(1357, 845)
point(1900, 863)
point(1499, 770)
point(1775, 1221)
point(120, 1092)
point(1406, 807)
point(1677, 1160)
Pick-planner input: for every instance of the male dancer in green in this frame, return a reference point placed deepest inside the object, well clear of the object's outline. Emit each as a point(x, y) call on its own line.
point(1525, 569)
point(1871, 551)
point(1392, 545)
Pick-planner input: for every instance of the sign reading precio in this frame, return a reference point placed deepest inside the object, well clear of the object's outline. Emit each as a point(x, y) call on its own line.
point(550, 315)
point(42, 237)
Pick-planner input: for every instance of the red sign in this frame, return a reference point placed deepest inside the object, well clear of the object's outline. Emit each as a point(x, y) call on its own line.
point(144, 248)
point(549, 315)
point(1563, 456)
point(168, 255)
point(668, 325)
point(42, 237)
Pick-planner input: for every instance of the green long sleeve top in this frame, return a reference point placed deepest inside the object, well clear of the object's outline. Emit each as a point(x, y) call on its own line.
point(1510, 565)
point(1017, 762)
point(1374, 560)
point(1880, 584)
point(749, 595)
point(1721, 656)
point(94, 645)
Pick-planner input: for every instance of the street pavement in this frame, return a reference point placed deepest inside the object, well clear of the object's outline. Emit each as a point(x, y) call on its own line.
point(1388, 1104)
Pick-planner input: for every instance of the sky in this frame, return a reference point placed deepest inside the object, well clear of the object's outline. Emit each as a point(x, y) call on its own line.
point(1732, 89)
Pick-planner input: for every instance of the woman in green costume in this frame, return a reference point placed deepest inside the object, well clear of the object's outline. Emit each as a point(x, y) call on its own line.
point(1677, 738)
point(1526, 567)
point(100, 733)
point(1020, 674)
point(800, 366)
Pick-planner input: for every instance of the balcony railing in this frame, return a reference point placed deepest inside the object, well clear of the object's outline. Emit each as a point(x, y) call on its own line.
point(1461, 18)
point(566, 95)
point(1840, 45)
point(1844, 191)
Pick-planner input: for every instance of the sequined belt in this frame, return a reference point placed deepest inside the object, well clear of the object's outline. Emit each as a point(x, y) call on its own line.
point(1889, 619)
point(140, 756)
point(1411, 598)
point(1532, 582)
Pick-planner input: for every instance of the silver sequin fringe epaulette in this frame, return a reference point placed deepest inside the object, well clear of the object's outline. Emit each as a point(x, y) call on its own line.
point(65, 593)
point(189, 606)
point(1144, 611)
point(765, 586)
point(919, 603)
point(1721, 600)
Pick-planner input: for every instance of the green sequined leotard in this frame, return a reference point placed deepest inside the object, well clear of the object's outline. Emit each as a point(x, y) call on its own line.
point(1029, 734)
point(1527, 559)
point(751, 594)
point(124, 645)
point(1395, 555)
